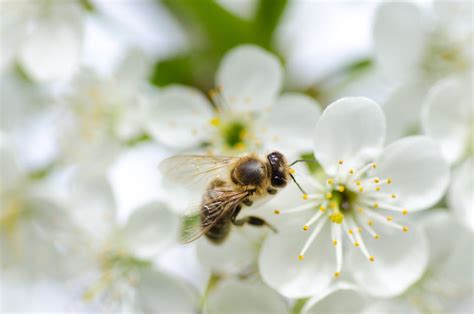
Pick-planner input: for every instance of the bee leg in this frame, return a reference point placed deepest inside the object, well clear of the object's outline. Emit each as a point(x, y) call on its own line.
point(272, 191)
point(247, 202)
point(254, 221)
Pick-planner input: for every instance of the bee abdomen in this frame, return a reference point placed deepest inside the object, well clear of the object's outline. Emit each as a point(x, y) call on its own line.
point(219, 231)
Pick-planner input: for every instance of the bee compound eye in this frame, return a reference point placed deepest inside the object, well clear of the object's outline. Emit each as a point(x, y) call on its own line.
point(278, 181)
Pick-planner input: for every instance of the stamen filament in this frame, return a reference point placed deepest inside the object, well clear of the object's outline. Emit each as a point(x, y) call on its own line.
point(311, 238)
point(300, 208)
point(313, 219)
point(363, 170)
point(359, 239)
point(337, 242)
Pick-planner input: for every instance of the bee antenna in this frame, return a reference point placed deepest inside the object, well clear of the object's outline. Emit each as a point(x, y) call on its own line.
point(303, 160)
point(297, 184)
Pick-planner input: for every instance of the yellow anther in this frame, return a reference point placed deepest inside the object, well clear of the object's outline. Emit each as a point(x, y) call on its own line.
point(377, 188)
point(361, 189)
point(376, 205)
point(351, 171)
point(356, 244)
point(376, 237)
point(322, 208)
point(350, 231)
point(360, 210)
point(334, 242)
point(337, 218)
point(405, 229)
point(328, 195)
point(291, 170)
point(301, 257)
point(389, 218)
point(212, 92)
point(305, 196)
point(359, 229)
point(305, 227)
point(389, 181)
point(358, 183)
point(377, 180)
point(330, 181)
point(341, 162)
point(276, 212)
point(341, 188)
point(337, 274)
point(374, 165)
point(405, 212)
point(370, 222)
point(333, 204)
point(393, 196)
point(215, 121)
point(371, 258)
point(240, 146)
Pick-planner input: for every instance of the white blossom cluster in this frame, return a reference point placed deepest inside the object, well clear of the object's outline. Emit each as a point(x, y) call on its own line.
point(385, 223)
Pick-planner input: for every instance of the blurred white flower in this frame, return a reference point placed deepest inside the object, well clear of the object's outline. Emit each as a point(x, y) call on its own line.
point(439, 290)
point(448, 117)
point(416, 50)
point(44, 37)
point(248, 113)
point(104, 112)
point(243, 296)
point(37, 236)
point(121, 275)
point(362, 184)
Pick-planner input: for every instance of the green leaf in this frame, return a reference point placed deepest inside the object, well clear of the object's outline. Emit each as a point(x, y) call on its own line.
point(174, 70)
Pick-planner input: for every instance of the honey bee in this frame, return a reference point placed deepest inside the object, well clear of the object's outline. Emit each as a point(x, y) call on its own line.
point(231, 182)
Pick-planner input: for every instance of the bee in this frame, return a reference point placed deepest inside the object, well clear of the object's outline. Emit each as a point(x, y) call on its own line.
point(231, 182)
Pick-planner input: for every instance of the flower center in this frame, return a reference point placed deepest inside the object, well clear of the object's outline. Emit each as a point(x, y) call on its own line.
point(353, 200)
point(446, 55)
point(233, 130)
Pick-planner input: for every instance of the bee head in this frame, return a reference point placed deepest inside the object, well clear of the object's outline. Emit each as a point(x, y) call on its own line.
point(279, 169)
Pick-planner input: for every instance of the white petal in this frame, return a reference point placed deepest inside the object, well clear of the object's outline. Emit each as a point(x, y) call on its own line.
point(281, 269)
point(338, 300)
point(447, 117)
point(92, 204)
point(233, 296)
point(419, 173)
point(350, 129)
point(392, 306)
point(158, 292)
point(403, 109)
point(235, 255)
point(461, 193)
point(52, 50)
point(289, 123)
point(399, 39)
point(180, 117)
point(150, 229)
point(250, 77)
point(400, 260)
point(441, 231)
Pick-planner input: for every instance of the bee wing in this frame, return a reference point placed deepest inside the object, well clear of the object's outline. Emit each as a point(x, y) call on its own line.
point(194, 225)
point(194, 169)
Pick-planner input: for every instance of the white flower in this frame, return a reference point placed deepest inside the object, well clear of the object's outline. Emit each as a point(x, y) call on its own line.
point(448, 118)
point(101, 113)
point(45, 37)
point(416, 50)
point(248, 112)
point(121, 274)
point(352, 203)
point(244, 296)
point(446, 282)
point(37, 236)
